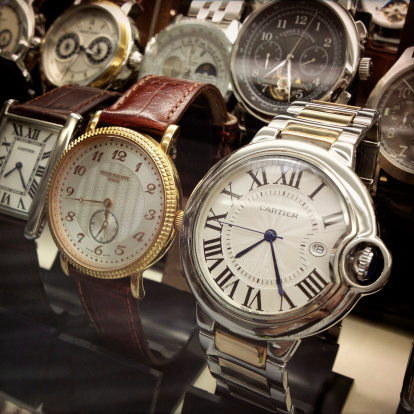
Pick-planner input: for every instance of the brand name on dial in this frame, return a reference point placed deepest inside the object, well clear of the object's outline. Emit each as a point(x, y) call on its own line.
point(25, 149)
point(116, 178)
point(279, 212)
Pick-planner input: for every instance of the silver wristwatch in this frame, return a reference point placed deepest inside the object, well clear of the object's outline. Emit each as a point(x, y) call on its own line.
point(196, 46)
point(279, 242)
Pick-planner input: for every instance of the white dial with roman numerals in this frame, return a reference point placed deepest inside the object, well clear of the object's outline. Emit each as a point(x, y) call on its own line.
point(106, 202)
point(25, 150)
point(267, 232)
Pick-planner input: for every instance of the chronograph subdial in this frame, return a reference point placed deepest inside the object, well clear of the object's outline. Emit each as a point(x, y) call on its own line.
point(313, 60)
point(267, 55)
point(99, 50)
point(67, 46)
point(103, 226)
point(402, 114)
point(5, 38)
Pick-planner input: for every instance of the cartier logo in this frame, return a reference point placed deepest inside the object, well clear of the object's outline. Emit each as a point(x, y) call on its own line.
point(279, 212)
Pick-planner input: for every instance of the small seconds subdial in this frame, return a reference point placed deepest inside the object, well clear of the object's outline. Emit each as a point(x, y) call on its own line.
point(103, 226)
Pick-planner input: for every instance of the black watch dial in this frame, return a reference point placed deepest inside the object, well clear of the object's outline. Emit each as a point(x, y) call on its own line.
point(289, 51)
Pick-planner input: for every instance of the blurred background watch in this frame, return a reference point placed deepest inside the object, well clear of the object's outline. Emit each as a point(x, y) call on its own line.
point(93, 43)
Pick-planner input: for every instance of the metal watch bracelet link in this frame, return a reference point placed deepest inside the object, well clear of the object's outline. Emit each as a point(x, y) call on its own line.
point(351, 132)
point(254, 371)
point(221, 13)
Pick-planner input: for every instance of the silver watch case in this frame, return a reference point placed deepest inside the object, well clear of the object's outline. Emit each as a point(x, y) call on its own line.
point(149, 66)
point(316, 316)
point(356, 36)
point(404, 64)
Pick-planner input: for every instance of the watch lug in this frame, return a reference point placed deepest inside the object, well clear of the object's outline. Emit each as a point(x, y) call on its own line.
point(203, 320)
point(93, 122)
point(169, 137)
point(137, 286)
point(64, 264)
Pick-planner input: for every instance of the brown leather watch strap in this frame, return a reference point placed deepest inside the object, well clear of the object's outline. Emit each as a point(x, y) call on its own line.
point(56, 105)
point(207, 131)
point(150, 106)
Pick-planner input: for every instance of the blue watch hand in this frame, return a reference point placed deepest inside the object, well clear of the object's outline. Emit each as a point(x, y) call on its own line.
point(278, 280)
point(243, 252)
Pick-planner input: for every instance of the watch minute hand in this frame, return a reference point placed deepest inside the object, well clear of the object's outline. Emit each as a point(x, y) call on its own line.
point(289, 56)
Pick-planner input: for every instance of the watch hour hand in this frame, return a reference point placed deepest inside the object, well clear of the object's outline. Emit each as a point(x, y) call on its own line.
point(243, 252)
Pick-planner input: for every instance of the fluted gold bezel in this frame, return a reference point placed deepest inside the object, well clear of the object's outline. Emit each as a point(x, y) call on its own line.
point(172, 196)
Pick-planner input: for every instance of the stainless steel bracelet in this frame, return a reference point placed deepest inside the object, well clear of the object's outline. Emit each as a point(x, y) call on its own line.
point(221, 13)
point(254, 371)
point(350, 132)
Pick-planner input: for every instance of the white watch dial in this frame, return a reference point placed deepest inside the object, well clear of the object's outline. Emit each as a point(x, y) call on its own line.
point(25, 150)
point(80, 46)
point(267, 233)
point(195, 51)
point(106, 203)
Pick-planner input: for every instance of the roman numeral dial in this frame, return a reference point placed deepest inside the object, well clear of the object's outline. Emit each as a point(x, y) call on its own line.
point(265, 235)
point(25, 151)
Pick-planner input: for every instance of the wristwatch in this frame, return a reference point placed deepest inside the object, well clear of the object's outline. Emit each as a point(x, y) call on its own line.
point(22, 27)
point(279, 241)
point(115, 197)
point(32, 137)
point(197, 46)
point(304, 50)
point(393, 193)
point(92, 43)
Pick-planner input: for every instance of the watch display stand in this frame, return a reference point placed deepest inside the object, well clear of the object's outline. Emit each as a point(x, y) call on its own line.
point(66, 368)
point(314, 387)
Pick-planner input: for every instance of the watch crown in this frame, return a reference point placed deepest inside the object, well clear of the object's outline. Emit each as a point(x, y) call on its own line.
point(364, 263)
point(178, 220)
point(365, 68)
point(134, 60)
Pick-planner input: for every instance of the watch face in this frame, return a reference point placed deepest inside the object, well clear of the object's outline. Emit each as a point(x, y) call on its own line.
point(15, 25)
point(197, 51)
point(86, 45)
point(396, 105)
point(25, 151)
point(292, 50)
point(266, 234)
point(109, 208)
point(386, 13)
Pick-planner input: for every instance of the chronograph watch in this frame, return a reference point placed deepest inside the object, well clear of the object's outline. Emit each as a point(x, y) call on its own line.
point(302, 50)
point(279, 241)
point(93, 43)
point(196, 46)
point(115, 198)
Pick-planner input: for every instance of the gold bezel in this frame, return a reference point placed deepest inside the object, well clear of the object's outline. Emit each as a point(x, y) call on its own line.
point(172, 196)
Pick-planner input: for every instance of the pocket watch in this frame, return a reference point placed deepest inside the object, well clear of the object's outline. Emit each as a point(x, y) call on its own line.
point(198, 46)
point(93, 43)
point(115, 196)
point(32, 137)
point(279, 241)
point(302, 50)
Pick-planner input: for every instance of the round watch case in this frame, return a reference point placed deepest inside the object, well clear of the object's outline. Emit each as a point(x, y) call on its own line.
point(397, 122)
point(172, 52)
point(326, 309)
point(107, 58)
point(385, 13)
point(262, 26)
point(159, 242)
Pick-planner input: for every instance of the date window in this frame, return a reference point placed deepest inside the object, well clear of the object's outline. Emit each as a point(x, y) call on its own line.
point(318, 249)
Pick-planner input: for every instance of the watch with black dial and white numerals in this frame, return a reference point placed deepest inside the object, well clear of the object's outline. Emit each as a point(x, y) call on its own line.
point(115, 200)
point(32, 137)
point(301, 50)
point(279, 241)
point(198, 46)
point(93, 43)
